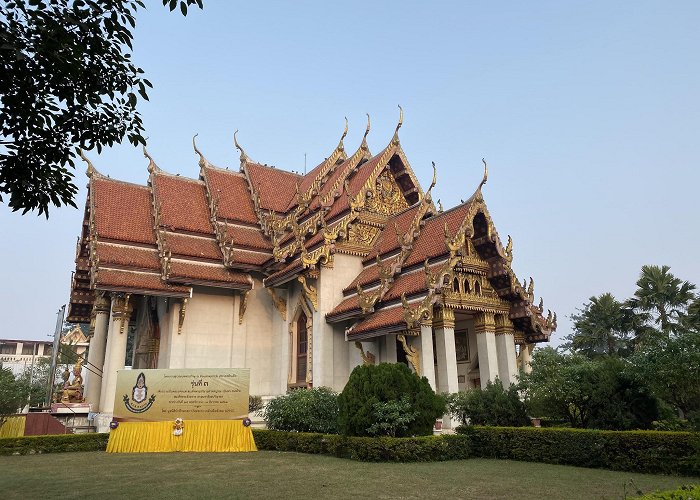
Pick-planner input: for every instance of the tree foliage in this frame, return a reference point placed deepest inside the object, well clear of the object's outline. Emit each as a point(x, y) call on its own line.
point(12, 395)
point(600, 394)
point(387, 382)
point(67, 81)
point(304, 410)
point(493, 405)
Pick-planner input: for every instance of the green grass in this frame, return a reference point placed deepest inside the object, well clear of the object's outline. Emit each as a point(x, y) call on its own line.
point(271, 474)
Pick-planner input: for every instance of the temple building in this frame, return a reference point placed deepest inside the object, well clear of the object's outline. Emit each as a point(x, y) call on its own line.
point(299, 277)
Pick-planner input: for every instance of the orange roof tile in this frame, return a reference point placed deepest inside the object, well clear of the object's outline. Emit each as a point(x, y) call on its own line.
point(248, 237)
point(188, 271)
point(431, 241)
point(383, 318)
point(183, 203)
point(387, 240)
point(123, 211)
point(410, 283)
point(127, 256)
point(230, 189)
point(118, 280)
point(193, 246)
point(275, 187)
point(348, 304)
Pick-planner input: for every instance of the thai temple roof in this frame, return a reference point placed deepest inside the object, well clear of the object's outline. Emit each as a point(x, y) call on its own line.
point(224, 227)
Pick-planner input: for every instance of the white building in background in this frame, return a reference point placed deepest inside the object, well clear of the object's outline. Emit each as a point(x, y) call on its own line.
point(299, 277)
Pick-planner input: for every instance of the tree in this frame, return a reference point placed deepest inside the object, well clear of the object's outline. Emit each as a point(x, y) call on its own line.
point(601, 393)
point(671, 367)
point(663, 295)
point(67, 80)
point(603, 327)
point(369, 385)
point(12, 398)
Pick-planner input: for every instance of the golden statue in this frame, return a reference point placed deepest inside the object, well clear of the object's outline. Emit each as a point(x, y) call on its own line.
point(73, 392)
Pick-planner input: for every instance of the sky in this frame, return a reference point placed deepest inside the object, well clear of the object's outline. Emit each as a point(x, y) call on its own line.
point(588, 114)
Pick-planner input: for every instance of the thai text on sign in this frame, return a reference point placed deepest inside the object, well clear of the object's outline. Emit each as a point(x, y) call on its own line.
point(188, 393)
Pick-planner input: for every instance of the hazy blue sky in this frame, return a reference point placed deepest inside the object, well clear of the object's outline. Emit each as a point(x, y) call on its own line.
point(587, 112)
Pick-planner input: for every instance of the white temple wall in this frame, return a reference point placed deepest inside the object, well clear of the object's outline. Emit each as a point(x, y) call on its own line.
point(330, 352)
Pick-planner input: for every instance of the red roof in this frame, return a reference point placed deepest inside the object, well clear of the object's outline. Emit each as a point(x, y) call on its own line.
point(131, 281)
point(183, 203)
point(187, 271)
point(383, 318)
point(230, 189)
point(123, 211)
point(193, 246)
point(275, 187)
point(431, 241)
point(127, 256)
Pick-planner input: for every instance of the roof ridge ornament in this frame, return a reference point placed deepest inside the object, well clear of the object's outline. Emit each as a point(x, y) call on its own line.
point(244, 156)
point(91, 170)
point(486, 173)
point(152, 167)
point(345, 132)
point(203, 162)
point(395, 140)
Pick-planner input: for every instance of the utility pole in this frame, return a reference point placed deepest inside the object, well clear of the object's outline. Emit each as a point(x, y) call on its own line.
point(54, 355)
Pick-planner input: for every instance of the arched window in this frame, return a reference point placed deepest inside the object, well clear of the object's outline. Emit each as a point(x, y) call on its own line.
point(477, 288)
point(455, 285)
point(301, 349)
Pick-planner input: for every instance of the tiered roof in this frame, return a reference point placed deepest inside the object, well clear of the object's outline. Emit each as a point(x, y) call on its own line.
point(224, 227)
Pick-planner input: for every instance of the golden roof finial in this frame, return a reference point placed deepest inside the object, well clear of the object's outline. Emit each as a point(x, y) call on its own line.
point(90, 167)
point(244, 156)
point(398, 125)
point(152, 167)
point(486, 173)
point(203, 162)
point(440, 209)
point(345, 132)
point(367, 129)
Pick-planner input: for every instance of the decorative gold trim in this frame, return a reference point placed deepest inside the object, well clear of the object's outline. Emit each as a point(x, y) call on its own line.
point(242, 305)
point(412, 354)
point(444, 317)
point(504, 325)
point(181, 317)
point(121, 309)
point(367, 358)
point(309, 292)
point(279, 302)
point(484, 323)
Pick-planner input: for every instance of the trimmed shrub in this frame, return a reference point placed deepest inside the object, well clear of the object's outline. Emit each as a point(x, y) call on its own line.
point(384, 449)
point(686, 492)
point(29, 445)
point(636, 451)
point(371, 385)
point(493, 405)
point(304, 410)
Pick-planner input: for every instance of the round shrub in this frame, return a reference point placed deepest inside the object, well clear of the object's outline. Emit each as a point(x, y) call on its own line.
point(304, 410)
point(362, 403)
point(493, 405)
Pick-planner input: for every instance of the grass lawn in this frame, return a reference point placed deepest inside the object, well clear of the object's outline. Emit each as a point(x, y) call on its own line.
point(271, 474)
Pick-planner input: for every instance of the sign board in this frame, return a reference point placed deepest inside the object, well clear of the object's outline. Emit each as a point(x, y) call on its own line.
point(188, 393)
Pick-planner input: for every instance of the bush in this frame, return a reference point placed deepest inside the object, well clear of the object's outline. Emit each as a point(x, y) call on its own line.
point(29, 445)
point(635, 451)
point(255, 403)
point(493, 405)
point(304, 410)
point(382, 449)
point(687, 492)
point(372, 384)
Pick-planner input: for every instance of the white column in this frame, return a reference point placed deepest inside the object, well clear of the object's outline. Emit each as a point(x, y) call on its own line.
point(446, 357)
point(526, 357)
point(96, 352)
point(427, 360)
point(389, 349)
point(485, 327)
point(116, 350)
point(505, 350)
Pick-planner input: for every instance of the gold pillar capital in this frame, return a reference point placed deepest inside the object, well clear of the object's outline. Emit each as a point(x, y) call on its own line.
point(121, 309)
point(102, 303)
point(504, 325)
point(484, 322)
point(444, 318)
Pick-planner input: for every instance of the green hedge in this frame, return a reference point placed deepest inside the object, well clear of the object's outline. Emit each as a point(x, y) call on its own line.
point(367, 449)
point(634, 451)
point(30, 445)
point(686, 492)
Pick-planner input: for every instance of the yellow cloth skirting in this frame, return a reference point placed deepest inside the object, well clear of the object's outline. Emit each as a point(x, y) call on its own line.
point(197, 435)
point(12, 427)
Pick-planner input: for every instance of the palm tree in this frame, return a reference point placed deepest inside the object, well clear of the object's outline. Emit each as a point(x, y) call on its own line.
point(603, 327)
point(663, 295)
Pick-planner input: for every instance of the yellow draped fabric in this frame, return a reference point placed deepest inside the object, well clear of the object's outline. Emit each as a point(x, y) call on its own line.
point(197, 435)
point(12, 427)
